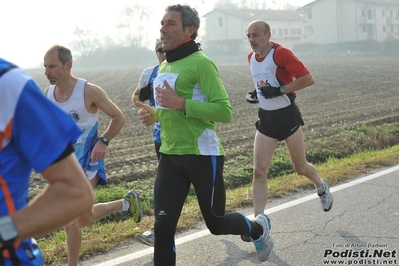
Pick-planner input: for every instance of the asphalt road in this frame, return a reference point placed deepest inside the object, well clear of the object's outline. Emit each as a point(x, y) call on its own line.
point(361, 229)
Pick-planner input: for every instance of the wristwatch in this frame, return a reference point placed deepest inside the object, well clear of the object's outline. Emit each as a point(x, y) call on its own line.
point(282, 89)
point(104, 140)
point(8, 231)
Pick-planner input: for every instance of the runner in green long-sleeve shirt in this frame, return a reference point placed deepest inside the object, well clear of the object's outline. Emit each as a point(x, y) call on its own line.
point(189, 99)
point(196, 79)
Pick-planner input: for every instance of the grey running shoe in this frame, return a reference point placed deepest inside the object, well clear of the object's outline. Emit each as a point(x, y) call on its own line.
point(264, 244)
point(247, 238)
point(134, 210)
point(147, 237)
point(326, 198)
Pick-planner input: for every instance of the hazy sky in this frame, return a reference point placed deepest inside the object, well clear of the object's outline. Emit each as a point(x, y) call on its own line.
point(29, 27)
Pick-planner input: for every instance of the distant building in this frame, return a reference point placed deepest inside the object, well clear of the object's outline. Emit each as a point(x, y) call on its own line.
point(335, 21)
point(226, 28)
point(319, 22)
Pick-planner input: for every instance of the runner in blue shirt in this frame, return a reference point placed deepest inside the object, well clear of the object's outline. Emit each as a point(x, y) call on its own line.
point(35, 134)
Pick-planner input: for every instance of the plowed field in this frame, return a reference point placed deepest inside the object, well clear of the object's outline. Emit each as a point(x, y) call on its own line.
point(348, 92)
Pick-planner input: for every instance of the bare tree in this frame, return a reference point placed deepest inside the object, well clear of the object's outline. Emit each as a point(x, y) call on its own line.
point(226, 4)
point(85, 42)
point(242, 4)
point(289, 6)
point(133, 24)
point(109, 42)
point(253, 4)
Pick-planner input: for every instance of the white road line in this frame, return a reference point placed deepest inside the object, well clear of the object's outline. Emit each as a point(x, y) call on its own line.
point(281, 207)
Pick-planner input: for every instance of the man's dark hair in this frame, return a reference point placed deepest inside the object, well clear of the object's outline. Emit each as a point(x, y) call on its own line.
point(189, 16)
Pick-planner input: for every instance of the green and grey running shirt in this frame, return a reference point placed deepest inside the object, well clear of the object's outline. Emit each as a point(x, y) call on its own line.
point(192, 132)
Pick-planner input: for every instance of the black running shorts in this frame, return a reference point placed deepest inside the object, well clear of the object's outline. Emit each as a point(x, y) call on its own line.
point(279, 124)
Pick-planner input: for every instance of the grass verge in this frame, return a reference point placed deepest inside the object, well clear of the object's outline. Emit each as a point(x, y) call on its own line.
point(346, 155)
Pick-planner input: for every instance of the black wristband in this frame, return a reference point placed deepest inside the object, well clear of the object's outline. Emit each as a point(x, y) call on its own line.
point(145, 93)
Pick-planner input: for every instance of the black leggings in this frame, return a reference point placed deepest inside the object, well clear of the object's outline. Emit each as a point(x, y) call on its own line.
point(157, 146)
point(175, 175)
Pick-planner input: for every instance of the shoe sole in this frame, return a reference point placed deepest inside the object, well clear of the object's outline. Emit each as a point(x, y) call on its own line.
point(271, 244)
point(332, 202)
point(332, 198)
point(271, 240)
point(136, 197)
point(138, 207)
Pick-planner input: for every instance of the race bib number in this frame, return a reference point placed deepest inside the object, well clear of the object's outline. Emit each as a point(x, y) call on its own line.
point(158, 82)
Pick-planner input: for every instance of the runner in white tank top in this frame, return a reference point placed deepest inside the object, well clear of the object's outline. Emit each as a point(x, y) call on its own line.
point(88, 122)
point(277, 74)
point(83, 100)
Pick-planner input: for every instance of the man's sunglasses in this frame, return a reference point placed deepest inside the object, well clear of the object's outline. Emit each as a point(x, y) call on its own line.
point(160, 50)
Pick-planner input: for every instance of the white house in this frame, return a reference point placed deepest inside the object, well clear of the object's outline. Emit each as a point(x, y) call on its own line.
point(334, 21)
point(319, 22)
point(226, 28)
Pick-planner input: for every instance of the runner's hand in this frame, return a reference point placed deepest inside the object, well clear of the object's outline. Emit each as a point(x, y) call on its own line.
point(252, 97)
point(147, 114)
point(270, 92)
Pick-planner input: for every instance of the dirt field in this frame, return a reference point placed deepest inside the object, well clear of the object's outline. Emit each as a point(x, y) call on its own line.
point(348, 92)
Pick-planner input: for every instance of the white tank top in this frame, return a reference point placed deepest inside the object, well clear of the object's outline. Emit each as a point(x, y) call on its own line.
point(88, 122)
point(265, 72)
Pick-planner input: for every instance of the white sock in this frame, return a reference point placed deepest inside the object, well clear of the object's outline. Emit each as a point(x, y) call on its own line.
point(125, 205)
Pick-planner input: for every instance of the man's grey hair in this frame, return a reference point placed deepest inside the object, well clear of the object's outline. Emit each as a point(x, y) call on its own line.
point(189, 17)
point(64, 54)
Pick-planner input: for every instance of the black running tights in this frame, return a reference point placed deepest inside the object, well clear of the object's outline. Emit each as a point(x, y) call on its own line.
point(175, 175)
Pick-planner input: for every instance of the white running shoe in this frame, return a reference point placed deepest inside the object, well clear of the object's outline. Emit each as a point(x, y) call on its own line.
point(326, 198)
point(264, 244)
point(147, 237)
